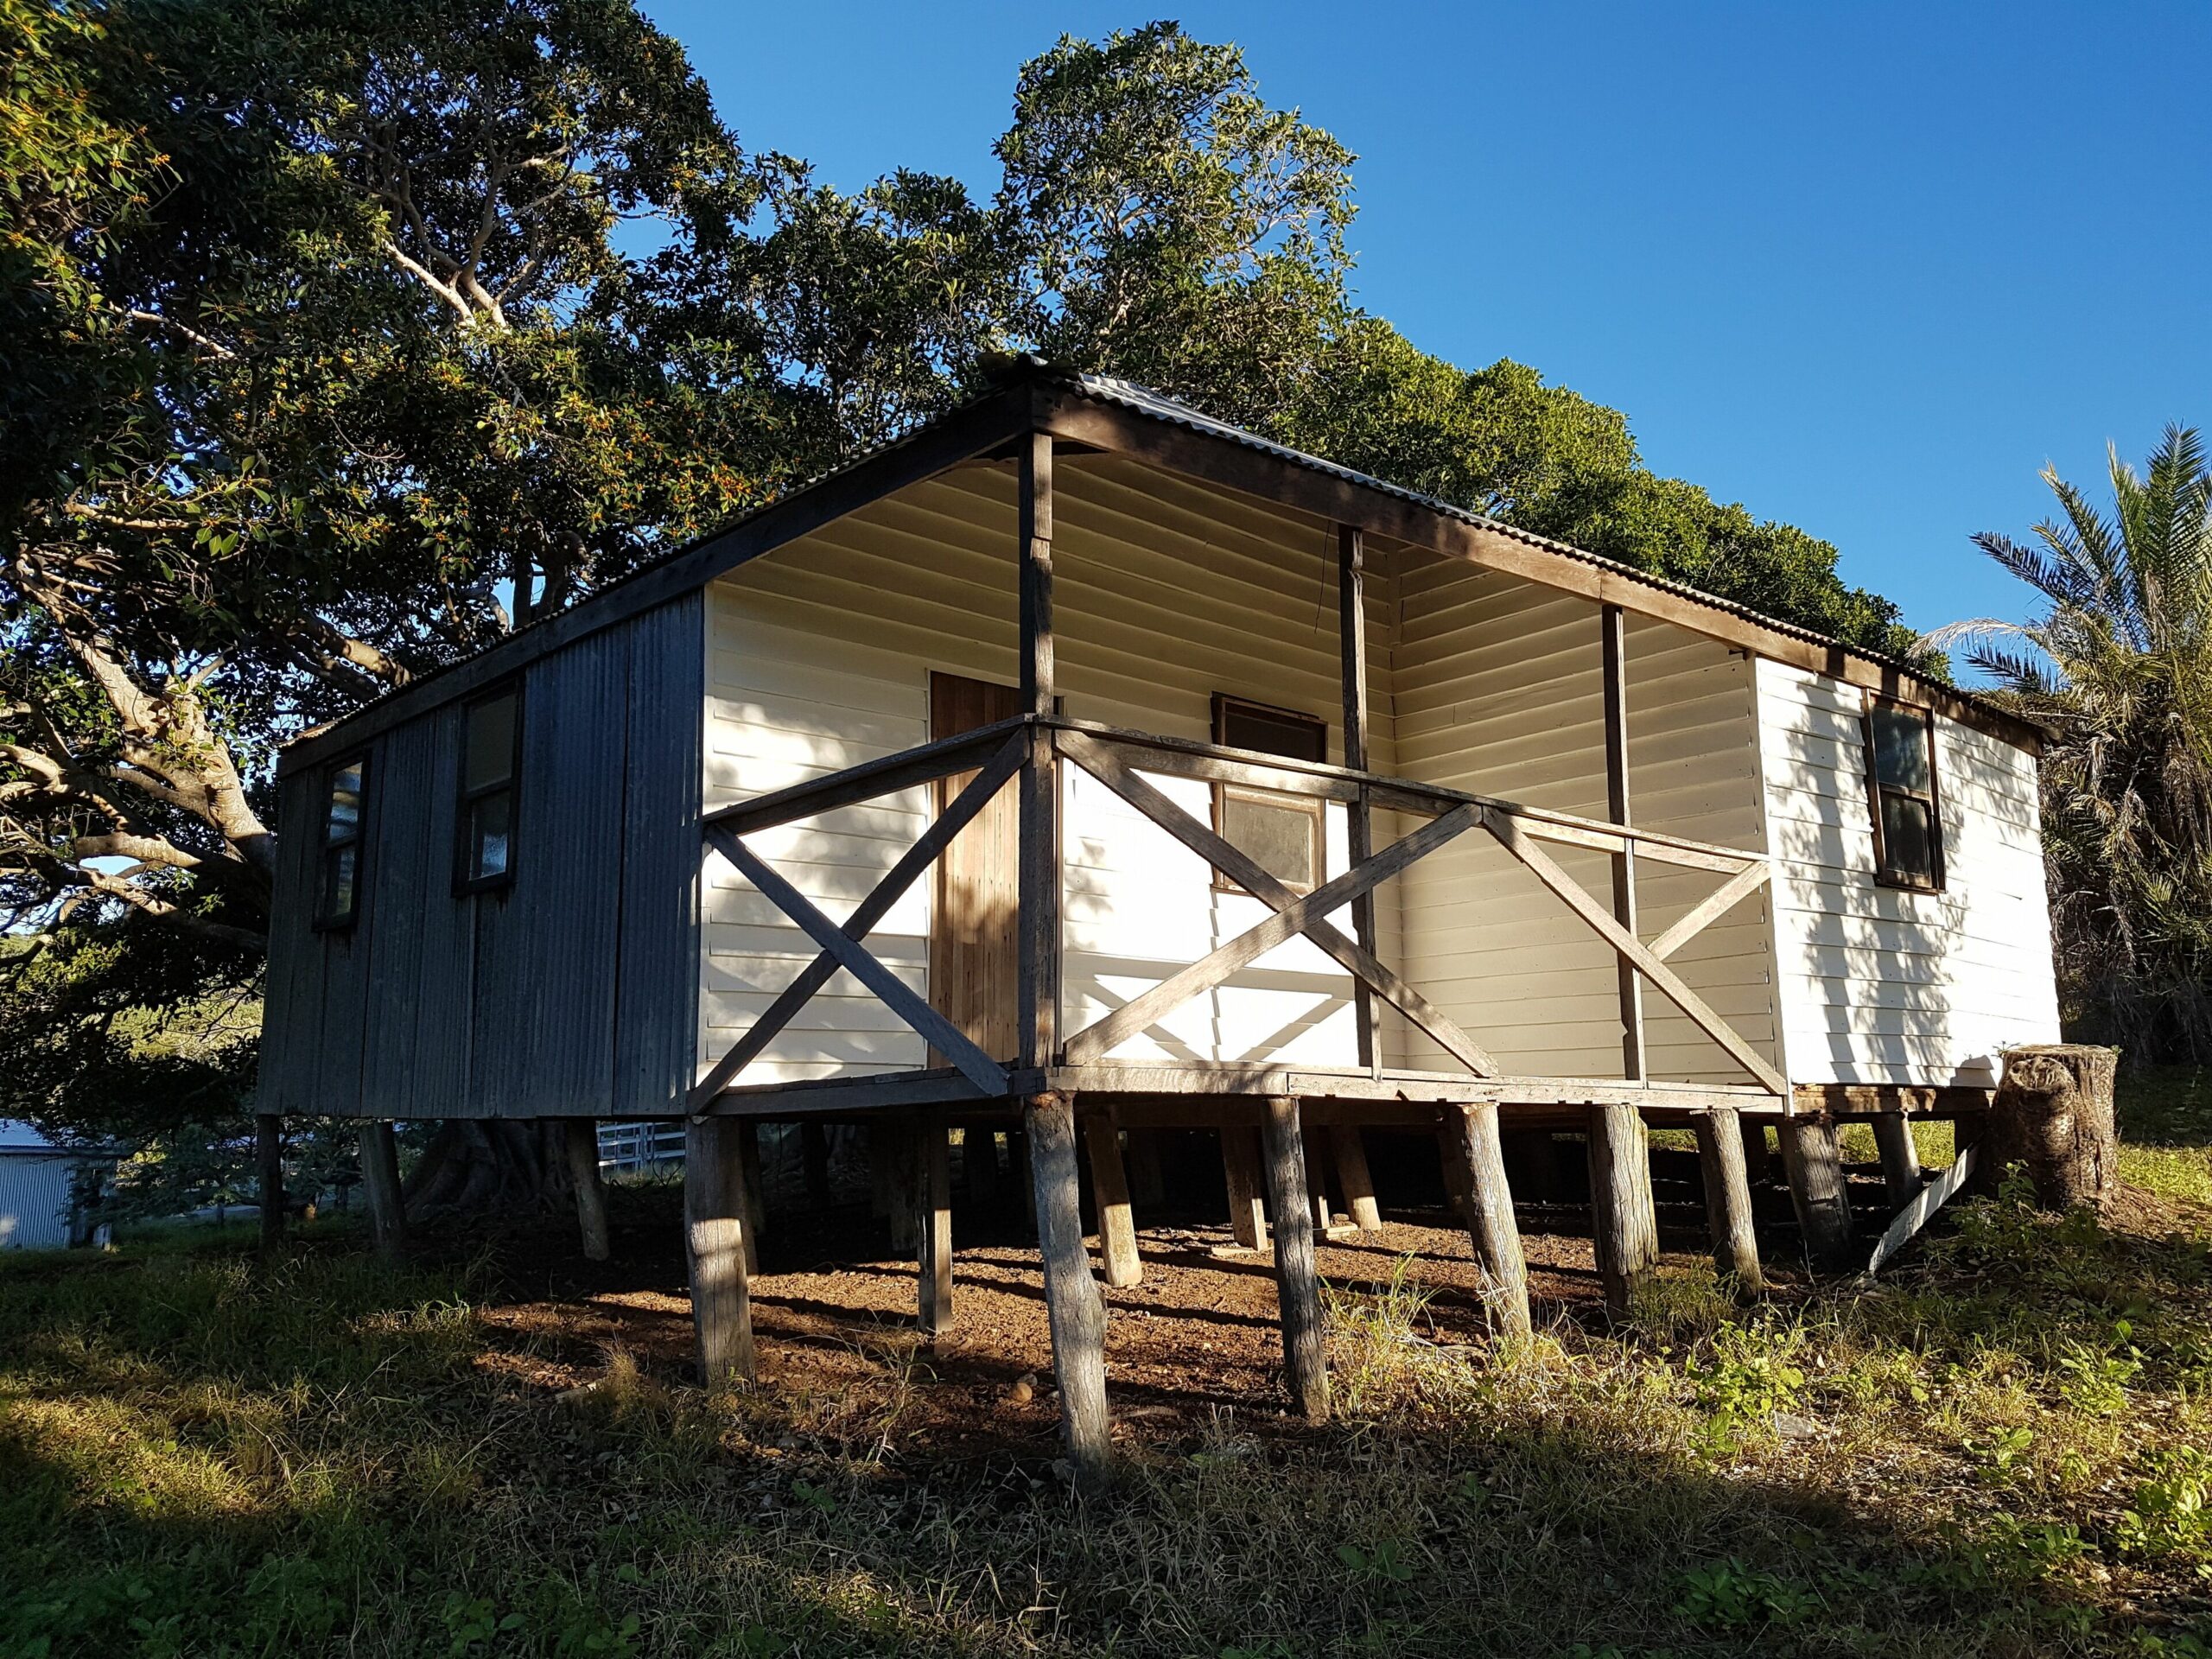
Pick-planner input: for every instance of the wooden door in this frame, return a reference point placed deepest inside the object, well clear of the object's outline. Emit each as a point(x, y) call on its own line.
point(973, 952)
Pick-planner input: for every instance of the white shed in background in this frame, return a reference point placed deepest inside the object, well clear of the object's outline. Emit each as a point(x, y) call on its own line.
point(37, 1188)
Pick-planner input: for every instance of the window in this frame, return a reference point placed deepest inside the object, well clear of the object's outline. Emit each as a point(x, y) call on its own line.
point(1901, 791)
point(1282, 834)
point(491, 756)
point(338, 894)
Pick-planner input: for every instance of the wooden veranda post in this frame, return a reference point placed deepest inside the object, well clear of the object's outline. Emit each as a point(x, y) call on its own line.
point(1038, 949)
point(1240, 1163)
point(1109, 1191)
point(1472, 1129)
point(1900, 1158)
point(1352, 633)
point(1615, 635)
point(1352, 1173)
point(934, 1225)
point(1298, 1284)
point(1624, 1227)
point(269, 1157)
point(1813, 1159)
point(380, 1180)
point(580, 1143)
point(1728, 1198)
point(1073, 1307)
point(714, 1244)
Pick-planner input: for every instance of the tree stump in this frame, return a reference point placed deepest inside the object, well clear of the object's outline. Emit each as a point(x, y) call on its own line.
point(2054, 1113)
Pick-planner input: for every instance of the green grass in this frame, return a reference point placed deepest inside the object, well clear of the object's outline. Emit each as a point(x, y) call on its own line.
point(2004, 1450)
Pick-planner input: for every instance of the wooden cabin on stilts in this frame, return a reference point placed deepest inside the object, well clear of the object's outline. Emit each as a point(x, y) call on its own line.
point(1080, 769)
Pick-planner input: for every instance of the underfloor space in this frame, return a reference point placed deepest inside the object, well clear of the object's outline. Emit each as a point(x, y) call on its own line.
point(834, 1320)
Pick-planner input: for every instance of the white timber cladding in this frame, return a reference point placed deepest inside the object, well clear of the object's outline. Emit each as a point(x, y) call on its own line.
point(1498, 688)
point(1881, 985)
point(1167, 592)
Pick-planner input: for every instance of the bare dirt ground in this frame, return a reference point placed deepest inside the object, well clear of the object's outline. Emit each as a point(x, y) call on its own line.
point(834, 1314)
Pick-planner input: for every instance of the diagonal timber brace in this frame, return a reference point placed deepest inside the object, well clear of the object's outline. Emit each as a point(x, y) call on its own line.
point(949, 1040)
point(1101, 763)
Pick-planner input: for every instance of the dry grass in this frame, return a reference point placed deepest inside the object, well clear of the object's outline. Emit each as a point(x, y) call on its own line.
point(2004, 1451)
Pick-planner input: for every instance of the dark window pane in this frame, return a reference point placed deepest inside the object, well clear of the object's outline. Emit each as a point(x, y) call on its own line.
point(491, 743)
point(1273, 733)
point(345, 820)
point(1280, 839)
point(1901, 749)
point(338, 869)
point(490, 825)
point(1908, 848)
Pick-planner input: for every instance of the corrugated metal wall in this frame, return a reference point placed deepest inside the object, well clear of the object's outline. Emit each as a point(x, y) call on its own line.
point(572, 991)
point(35, 1200)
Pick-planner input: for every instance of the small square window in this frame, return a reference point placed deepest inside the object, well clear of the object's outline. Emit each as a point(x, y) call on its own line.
point(490, 763)
point(1902, 791)
point(337, 888)
point(1283, 833)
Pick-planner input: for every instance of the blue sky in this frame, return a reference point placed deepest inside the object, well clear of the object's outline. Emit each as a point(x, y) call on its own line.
point(1864, 268)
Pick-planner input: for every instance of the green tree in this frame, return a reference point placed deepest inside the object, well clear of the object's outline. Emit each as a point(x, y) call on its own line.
point(2119, 666)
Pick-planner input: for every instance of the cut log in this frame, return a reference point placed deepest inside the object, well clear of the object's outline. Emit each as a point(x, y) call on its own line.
point(269, 1159)
point(1728, 1200)
point(714, 1245)
point(1240, 1163)
point(934, 1226)
point(380, 1182)
point(1074, 1309)
point(582, 1136)
point(2053, 1113)
point(1110, 1190)
point(1350, 1148)
point(1900, 1158)
point(1813, 1161)
point(1297, 1284)
point(1624, 1226)
point(1496, 1236)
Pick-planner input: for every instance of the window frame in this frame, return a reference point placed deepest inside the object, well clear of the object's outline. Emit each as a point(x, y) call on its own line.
point(1312, 805)
point(1886, 874)
point(464, 799)
point(325, 919)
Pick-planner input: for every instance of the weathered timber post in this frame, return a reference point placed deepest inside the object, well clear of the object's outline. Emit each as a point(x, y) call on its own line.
point(1359, 818)
point(1728, 1198)
point(2054, 1113)
point(814, 1161)
point(714, 1244)
point(269, 1159)
point(1147, 1180)
point(1353, 1175)
point(1900, 1158)
point(380, 1182)
point(1624, 1227)
point(581, 1142)
point(756, 1205)
point(1760, 1158)
point(1109, 1190)
point(934, 1225)
point(1074, 1308)
point(1612, 634)
point(1306, 1368)
point(1814, 1162)
point(1317, 1180)
point(1489, 1210)
point(1240, 1163)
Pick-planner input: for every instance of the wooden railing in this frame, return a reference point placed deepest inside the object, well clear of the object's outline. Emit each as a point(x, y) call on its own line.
point(1117, 759)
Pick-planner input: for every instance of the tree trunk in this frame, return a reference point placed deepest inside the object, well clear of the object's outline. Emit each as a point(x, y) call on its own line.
point(2054, 1113)
point(476, 1167)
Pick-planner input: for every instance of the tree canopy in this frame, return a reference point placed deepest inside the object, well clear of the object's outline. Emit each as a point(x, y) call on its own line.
point(341, 338)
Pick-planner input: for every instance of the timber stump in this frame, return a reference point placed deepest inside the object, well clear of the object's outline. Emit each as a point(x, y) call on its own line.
point(2053, 1113)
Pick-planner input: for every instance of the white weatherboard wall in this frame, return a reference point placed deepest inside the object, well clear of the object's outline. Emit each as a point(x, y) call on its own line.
point(1166, 592)
point(1880, 985)
point(1499, 689)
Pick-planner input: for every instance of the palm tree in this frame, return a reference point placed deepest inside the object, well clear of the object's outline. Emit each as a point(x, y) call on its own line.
point(2121, 670)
